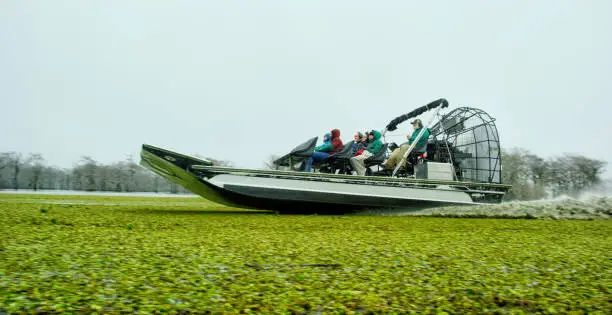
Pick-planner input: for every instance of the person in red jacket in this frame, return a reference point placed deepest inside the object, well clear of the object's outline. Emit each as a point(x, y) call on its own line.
point(337, 144)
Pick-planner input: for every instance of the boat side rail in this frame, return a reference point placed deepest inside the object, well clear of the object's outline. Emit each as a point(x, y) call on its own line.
point(479, 195)
point(354, 178)
point(181, 160)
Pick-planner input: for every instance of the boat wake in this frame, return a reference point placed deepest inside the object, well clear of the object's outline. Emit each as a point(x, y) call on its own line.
point(586, 207)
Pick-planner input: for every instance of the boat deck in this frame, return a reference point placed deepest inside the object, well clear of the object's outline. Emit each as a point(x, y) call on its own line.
point(369, 180)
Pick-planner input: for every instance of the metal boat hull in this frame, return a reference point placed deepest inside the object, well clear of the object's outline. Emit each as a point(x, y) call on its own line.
point(308, 192)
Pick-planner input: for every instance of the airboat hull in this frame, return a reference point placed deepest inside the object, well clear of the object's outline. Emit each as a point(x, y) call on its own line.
point(288, 191)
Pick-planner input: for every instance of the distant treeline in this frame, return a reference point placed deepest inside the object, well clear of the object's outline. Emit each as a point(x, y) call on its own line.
point(32, 172)
point(531, 176)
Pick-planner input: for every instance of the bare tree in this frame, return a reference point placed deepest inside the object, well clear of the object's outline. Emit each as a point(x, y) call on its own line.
point(53, 178)
point(571, 174)
point(13, 161)
point(4, 162)
point(4, 158)
point(84, 174)
point(155, 187)
point(36, 163)
point(518, 171)
point(132, 170)
point(532, 177)
point(536, 167)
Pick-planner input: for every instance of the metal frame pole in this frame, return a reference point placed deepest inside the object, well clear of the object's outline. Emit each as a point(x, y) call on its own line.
point(416, 140)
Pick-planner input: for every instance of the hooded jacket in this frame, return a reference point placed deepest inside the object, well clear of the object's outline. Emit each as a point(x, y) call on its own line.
point(375, 145)
point(337, 144)
point(327, 145)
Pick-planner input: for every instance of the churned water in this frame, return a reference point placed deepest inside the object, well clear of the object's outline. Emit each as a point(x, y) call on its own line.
point(585, 208)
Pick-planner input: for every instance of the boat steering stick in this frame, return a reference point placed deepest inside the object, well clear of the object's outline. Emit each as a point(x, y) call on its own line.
point(414, 143)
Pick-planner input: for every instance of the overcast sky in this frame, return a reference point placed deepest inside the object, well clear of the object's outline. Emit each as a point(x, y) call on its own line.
point(241, 80)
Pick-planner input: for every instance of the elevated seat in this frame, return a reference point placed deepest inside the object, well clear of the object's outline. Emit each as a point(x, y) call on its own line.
point(416, 157)
point(298, 154)
point(338, 161)
point(419, 156)
point(432, 148)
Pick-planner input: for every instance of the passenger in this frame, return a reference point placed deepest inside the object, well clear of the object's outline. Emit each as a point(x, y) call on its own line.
point(366, 138)
point(421, 146)
point(374, 145)
point(358, 144)
point(332, 144)
point(364, 143)
point(326, 146)
point(319, 153)
point(337, 144)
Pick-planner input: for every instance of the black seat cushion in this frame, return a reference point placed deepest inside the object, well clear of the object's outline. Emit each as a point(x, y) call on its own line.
point(379, 157)
point(344, 154)
point(338, 160)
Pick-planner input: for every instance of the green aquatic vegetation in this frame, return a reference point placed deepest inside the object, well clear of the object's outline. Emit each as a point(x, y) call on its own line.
point(142, 255)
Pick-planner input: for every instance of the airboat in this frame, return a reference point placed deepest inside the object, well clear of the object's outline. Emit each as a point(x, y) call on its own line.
point(461, 166)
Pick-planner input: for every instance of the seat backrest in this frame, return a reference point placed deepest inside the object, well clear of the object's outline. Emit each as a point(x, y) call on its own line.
point(432, 149)
point(306, 148)
point(303, 150)
point(346, 152)
point(379, 157)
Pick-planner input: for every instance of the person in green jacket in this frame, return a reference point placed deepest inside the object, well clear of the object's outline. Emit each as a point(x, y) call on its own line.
point(420, 147)
point(327, 145)
point(320, 153)
point(374, 146)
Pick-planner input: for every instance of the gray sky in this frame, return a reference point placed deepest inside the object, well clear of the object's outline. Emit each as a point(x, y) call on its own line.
point(238, 80)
